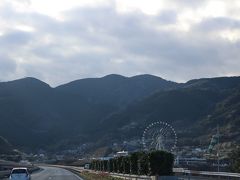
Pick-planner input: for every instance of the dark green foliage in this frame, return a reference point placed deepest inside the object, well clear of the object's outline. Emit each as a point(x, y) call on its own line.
point(126, 165)
point(105, 165)
point(111, 161)
point(141, 163)
point(161, 163)
point(120, 164)
point(98, 165)
point(93, 165)
point(134, 163)
point(235, 160)
point(115, 166)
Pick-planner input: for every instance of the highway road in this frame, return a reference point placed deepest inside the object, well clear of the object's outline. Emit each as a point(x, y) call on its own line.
point(53, 173)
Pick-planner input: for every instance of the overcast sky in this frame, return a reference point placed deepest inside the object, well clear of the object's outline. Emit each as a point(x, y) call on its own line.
point(58, 41)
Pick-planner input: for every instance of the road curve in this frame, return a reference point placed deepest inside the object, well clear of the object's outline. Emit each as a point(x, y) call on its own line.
point(54, 173)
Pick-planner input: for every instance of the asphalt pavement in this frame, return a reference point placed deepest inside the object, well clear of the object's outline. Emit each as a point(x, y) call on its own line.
point(54, 173)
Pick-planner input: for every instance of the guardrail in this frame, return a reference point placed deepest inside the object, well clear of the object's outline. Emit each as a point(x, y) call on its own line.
point(179, 172)
point(129, 176)
point(190, 173)
point(4, 174)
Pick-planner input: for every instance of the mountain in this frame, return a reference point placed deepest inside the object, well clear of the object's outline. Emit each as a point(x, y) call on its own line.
point(6, 147)
point(27, 108)
point(35, 115)
point(219, 83)
point(227, 115)
point(195, 109)
point(115, 89)
point(115, 108)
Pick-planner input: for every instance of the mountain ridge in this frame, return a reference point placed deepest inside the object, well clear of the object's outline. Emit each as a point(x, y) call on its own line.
point(32, 108)
point(84, 110)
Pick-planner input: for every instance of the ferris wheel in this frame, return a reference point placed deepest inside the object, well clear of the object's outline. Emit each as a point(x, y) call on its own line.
point(159, 136)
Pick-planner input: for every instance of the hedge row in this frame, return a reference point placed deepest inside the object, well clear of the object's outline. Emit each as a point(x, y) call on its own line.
point(139, 163)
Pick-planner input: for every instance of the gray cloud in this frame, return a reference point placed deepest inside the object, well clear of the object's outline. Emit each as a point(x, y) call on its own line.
point(216, 24)
point(7, 68)
point(167, 17)
point(15, 38)
point(96, 41)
